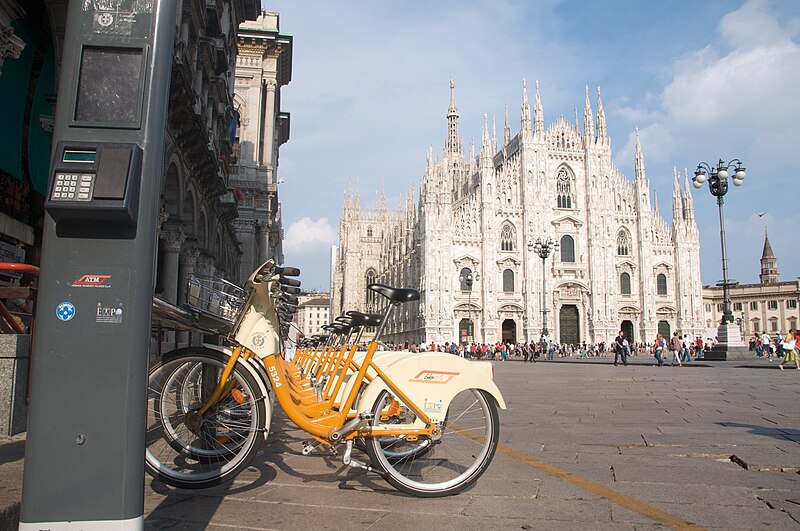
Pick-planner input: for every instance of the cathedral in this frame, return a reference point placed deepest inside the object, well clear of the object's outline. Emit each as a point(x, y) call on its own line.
point(468, 242)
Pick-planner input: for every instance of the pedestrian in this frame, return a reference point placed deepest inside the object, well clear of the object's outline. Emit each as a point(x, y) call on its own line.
point(619, 348)
point(766, 344)
point(790, 349)
point(658, 349)
point(676, 347)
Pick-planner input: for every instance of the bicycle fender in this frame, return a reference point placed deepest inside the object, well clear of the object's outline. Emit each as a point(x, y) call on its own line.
point(431, 380)
point(259, 373)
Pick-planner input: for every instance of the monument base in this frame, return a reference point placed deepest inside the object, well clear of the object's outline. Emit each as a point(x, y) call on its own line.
point(722, 352)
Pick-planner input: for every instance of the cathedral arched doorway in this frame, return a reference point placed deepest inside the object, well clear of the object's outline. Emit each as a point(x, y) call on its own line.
point(627, 327)
point(509, 331)
point(465, 331)
point(664, 329)
point(569, 325)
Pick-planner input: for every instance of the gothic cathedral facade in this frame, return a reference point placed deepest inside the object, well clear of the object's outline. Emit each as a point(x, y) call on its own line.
point(468, 242)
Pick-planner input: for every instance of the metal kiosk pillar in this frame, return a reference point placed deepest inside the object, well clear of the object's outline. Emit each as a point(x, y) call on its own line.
point(84, 457)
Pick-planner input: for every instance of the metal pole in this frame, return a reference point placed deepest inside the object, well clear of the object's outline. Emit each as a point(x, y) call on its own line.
point(545, 309)
point(727, 314)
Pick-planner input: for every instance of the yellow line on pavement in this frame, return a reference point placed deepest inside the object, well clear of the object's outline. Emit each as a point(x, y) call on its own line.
point(632, 504)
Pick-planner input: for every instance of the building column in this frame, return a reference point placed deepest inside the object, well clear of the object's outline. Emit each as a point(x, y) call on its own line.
point(173, 240)
point(188, 261)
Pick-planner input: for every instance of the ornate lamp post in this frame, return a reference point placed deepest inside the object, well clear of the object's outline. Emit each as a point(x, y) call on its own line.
point(544, 248)
point(728, 333)
point(468, 280)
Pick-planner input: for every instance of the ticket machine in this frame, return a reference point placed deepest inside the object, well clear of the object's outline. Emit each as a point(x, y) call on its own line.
point(85, 444)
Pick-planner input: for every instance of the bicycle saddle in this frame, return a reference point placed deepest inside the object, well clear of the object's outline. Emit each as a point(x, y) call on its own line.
point(395, 294)
point(365, 319)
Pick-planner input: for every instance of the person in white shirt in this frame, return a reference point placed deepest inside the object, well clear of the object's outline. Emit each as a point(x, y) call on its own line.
point(766, 343)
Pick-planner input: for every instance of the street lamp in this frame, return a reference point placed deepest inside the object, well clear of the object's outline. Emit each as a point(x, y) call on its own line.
point(718, 186)
point(468, 279)
point(543, 248)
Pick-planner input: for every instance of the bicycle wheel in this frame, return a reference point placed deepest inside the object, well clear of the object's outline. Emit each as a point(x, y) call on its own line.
point(431, 468)
point(188, 450)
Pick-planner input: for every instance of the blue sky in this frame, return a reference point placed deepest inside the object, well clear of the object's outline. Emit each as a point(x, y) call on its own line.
point(702, 80)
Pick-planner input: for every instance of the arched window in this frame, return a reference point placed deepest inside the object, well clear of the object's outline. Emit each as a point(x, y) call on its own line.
point(369, 231)
point(623, 243)
point(661, 284)
point(625, 284)
point(567, 248)
point(563, 189)
point(508, 237)
point(466, 279)
point(508, 281)
point(372, 297)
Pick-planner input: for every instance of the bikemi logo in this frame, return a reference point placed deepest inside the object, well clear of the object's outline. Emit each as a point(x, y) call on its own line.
point(92, 281)
point(434, 377)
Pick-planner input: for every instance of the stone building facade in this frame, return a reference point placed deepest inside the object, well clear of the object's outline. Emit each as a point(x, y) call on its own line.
point(771, 305)
point(619, 264)
point(263, 66)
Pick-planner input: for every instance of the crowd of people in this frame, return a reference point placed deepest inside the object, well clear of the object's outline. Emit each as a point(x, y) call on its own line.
point(676, 350)
point(781, 347)
point(684, 350)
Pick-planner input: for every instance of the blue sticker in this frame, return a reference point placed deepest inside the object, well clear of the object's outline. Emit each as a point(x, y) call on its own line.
point(65, 311)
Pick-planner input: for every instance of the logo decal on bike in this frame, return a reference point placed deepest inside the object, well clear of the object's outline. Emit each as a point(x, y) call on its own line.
point(65, 311)
point(273, 373)
point(258, 340)
point(92, 281)
point(432, 406)
point(436, 377)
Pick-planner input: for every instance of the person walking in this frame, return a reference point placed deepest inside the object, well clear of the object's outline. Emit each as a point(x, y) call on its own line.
point(766, 344)
point(790, 349)
point(659, 349)
point(676, 346)
point(619, 348)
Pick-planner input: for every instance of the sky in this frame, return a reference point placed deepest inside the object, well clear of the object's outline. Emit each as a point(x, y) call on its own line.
point(702, 80)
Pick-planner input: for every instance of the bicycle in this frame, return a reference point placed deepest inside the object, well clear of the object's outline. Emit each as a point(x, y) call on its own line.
point(428, 421)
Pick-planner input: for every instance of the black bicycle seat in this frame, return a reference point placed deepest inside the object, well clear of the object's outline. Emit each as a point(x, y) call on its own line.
point(365, 319)
point(396, 294)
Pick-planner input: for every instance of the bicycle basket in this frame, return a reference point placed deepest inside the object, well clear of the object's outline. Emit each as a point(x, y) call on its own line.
point(215, 296)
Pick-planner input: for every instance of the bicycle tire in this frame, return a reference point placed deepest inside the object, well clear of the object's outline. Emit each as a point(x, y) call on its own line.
point(188, 451)
point(449, 465)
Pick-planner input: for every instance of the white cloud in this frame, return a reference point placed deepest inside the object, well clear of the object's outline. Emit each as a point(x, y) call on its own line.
point(306, 236)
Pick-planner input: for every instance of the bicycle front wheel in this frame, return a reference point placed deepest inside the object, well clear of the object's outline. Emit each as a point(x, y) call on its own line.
point(431, 468)
point(188, 450)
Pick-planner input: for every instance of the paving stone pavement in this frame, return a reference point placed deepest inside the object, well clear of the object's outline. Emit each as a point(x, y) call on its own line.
point(583, 445)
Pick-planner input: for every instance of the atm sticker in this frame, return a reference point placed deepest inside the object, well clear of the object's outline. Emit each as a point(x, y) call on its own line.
point(109, 314)
point(92, 281)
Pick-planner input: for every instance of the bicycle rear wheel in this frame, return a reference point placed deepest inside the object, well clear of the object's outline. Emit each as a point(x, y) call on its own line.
point(431, 468)
point(188, 450)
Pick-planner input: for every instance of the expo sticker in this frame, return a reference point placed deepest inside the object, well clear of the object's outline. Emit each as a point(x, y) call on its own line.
point(65, 311)
point(109, 314)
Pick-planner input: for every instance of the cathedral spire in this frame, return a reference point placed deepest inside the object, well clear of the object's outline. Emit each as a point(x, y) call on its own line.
point(588, 120)
point(639, 168)
point(358, 196)
point(486, 146)
point(526, 109)
point(602, 133)
point(538, 114)
point(687, 195)
point(472, 166)
point(677, 197)
point(494, 135)
point(506, 130)
point(453, 144)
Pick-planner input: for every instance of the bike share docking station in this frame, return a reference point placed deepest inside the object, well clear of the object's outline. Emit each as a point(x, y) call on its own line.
point(84, 456)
